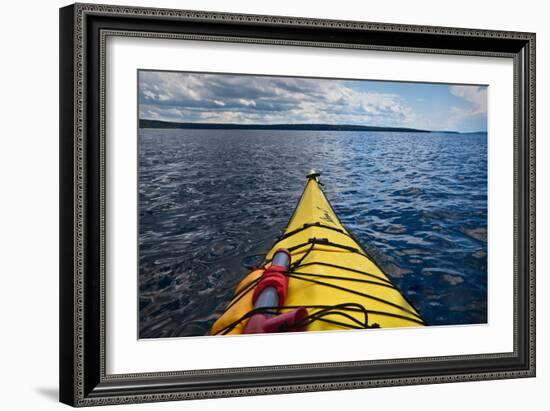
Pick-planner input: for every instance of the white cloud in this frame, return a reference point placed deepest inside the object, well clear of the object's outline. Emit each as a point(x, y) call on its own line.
point(195, 97)
point(476, 96)
point(470, 114)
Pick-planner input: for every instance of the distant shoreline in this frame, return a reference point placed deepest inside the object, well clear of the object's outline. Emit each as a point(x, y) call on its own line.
point(145, 123)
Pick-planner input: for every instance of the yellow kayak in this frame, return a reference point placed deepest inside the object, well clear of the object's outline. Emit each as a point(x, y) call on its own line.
point(331, 282)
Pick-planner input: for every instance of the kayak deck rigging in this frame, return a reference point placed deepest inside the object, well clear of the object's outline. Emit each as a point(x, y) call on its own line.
point(331, 276)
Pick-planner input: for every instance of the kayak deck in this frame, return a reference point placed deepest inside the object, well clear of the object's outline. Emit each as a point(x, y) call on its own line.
point(331, 276)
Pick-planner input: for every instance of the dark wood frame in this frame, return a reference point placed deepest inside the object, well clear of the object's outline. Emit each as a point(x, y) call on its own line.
point(83, 30)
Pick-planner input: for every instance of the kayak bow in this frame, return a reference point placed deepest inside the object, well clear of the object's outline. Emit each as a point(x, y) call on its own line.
point(330, 276)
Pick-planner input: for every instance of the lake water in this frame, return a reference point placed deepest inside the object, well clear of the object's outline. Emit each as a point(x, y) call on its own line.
point(212, 201)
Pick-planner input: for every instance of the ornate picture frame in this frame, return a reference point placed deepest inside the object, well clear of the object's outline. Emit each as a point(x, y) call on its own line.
point(84, 29)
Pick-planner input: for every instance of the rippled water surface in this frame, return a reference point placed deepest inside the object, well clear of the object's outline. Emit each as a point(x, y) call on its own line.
point(210, 200)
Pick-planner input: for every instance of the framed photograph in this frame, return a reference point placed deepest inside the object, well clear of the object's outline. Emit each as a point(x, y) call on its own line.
point(261, 204)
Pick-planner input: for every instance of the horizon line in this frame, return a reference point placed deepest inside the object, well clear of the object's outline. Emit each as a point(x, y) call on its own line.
point(358, 126)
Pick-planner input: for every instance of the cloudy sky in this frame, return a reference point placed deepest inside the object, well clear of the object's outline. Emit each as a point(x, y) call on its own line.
point(225, 98)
